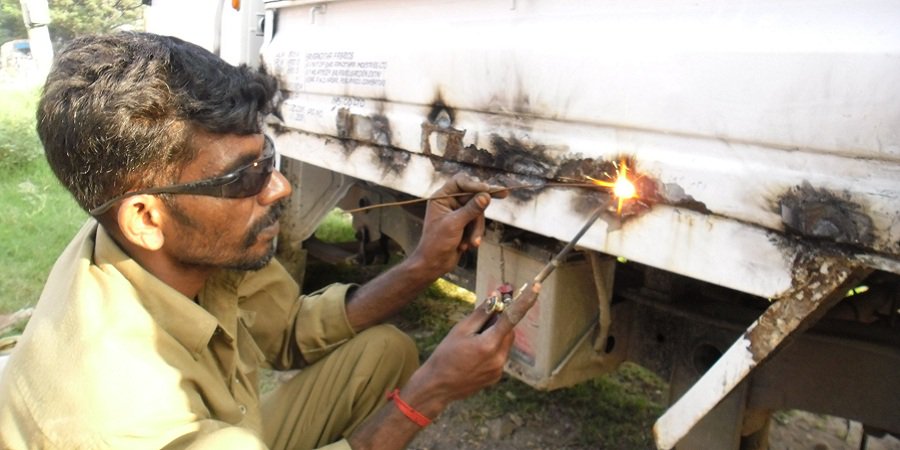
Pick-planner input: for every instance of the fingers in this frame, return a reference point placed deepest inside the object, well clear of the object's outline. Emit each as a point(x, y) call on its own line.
point(470, 220)
point(475, 320)
point(514, 313)
point(475, 231)
point(465, 183)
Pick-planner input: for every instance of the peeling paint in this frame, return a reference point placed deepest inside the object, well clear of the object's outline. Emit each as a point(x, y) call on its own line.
point(820, 214)
point(819, 281)
point(509, 161)
point(354, 128)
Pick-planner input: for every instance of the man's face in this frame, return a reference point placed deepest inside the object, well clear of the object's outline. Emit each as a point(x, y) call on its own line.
point(234, 233)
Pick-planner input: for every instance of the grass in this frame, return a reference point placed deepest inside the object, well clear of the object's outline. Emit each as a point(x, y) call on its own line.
point(336, 227)
point(39, 216)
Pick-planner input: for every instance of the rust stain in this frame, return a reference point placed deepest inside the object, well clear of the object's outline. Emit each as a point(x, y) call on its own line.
point(508, 161)
point(818, 282)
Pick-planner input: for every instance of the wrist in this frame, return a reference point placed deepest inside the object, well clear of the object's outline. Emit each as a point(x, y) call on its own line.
point(411, 413)
point(419, 268)
point(421, 393)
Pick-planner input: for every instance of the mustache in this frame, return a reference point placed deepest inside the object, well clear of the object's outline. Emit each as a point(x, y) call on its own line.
point(266, 221)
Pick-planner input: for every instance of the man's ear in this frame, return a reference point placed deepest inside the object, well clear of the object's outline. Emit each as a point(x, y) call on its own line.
point(140, 220)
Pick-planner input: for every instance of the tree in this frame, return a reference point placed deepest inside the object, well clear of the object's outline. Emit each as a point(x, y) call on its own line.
point(11, 24)
point(71, 18)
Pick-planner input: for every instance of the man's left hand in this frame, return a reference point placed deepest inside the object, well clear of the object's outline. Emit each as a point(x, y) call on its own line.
point(454, 224)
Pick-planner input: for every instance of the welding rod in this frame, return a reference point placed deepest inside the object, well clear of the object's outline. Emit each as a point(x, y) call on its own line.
point(554, 263)
point(525, 297)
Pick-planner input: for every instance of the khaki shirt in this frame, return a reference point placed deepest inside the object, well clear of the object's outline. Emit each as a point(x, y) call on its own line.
point(115, 358)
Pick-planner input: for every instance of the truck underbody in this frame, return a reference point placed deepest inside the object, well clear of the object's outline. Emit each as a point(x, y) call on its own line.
point(762, 138)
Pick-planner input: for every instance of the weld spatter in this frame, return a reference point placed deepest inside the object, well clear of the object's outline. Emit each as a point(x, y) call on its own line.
point(821, 214)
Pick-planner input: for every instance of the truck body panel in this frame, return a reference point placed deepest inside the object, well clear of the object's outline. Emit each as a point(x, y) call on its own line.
point(757, 122)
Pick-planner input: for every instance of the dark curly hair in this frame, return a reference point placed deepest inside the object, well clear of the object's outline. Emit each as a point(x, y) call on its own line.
point(118, 111)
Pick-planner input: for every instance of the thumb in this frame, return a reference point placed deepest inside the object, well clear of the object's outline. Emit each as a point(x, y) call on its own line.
point(473, 208)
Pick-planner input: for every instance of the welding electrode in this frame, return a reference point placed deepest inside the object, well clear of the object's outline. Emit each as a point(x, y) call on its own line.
point(516, 307)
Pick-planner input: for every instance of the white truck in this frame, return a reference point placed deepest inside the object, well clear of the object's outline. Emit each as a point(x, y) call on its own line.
point(763, 137)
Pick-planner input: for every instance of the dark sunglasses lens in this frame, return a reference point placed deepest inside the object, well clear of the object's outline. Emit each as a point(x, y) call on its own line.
point(251, 180)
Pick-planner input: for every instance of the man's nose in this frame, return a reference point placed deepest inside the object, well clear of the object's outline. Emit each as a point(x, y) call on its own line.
point(276, 189)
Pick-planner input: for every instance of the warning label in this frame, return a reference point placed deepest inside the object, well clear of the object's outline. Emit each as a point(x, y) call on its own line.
point(301, 69)
point(342, 68)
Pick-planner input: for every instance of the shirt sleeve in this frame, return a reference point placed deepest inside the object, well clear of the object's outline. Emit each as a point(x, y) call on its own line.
point(290, 329)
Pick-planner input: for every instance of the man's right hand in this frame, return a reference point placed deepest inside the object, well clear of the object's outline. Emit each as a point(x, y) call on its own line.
point(467, 360)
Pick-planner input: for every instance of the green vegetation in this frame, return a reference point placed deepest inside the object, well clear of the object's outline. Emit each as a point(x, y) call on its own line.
point(39, 217)
point(336, 227)
point(71, 18)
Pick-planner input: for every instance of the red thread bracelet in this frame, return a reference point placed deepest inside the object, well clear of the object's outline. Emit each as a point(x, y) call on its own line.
point(408, 411)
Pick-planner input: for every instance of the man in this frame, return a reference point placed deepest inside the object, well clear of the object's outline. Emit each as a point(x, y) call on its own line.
point(155, 318)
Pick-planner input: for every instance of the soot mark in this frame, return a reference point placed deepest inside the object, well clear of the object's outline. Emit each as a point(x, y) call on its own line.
point(820, 214)
point(512, 155)
point(353, 129)
point(392, 160)
point(674, 194)
point(534, 184)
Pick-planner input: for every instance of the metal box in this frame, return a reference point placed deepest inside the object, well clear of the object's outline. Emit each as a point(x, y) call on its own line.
point(554, 344)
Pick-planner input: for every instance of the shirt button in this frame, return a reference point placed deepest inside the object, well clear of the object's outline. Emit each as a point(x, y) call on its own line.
point(243, 409)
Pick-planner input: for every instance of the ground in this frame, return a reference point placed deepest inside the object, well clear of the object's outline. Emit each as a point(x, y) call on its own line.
point(615, 411)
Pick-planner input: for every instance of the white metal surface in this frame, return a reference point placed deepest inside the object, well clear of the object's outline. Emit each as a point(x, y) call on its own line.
point(731, 105)
point(212, 24)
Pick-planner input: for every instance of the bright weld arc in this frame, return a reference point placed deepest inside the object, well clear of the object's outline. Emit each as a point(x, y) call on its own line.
point(623, 188)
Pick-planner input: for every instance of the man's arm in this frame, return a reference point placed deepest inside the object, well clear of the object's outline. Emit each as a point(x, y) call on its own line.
point(465, 362)
point(452, 226)
point(468, 359)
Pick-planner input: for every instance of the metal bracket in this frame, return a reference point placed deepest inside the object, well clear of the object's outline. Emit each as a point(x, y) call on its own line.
point(820, 281)
point(315, 10)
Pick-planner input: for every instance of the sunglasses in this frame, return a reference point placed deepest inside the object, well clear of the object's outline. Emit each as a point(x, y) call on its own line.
point(246, 181)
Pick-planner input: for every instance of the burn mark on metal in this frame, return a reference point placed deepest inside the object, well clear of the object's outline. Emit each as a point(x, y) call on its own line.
point(513, 155)
point(819, 281)
point(355, 128)
point(512, 179)
point(820, 214)
point(393, 160)
point(508, 161)
point(674, 195)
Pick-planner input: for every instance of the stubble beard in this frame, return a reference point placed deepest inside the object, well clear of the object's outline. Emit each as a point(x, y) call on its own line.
point(264, 222)
point(208, 254)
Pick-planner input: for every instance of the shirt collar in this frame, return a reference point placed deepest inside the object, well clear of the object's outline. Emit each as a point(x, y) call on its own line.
point(178, 315)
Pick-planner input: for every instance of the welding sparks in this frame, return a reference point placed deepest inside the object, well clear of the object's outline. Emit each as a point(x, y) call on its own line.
point(623, 188)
